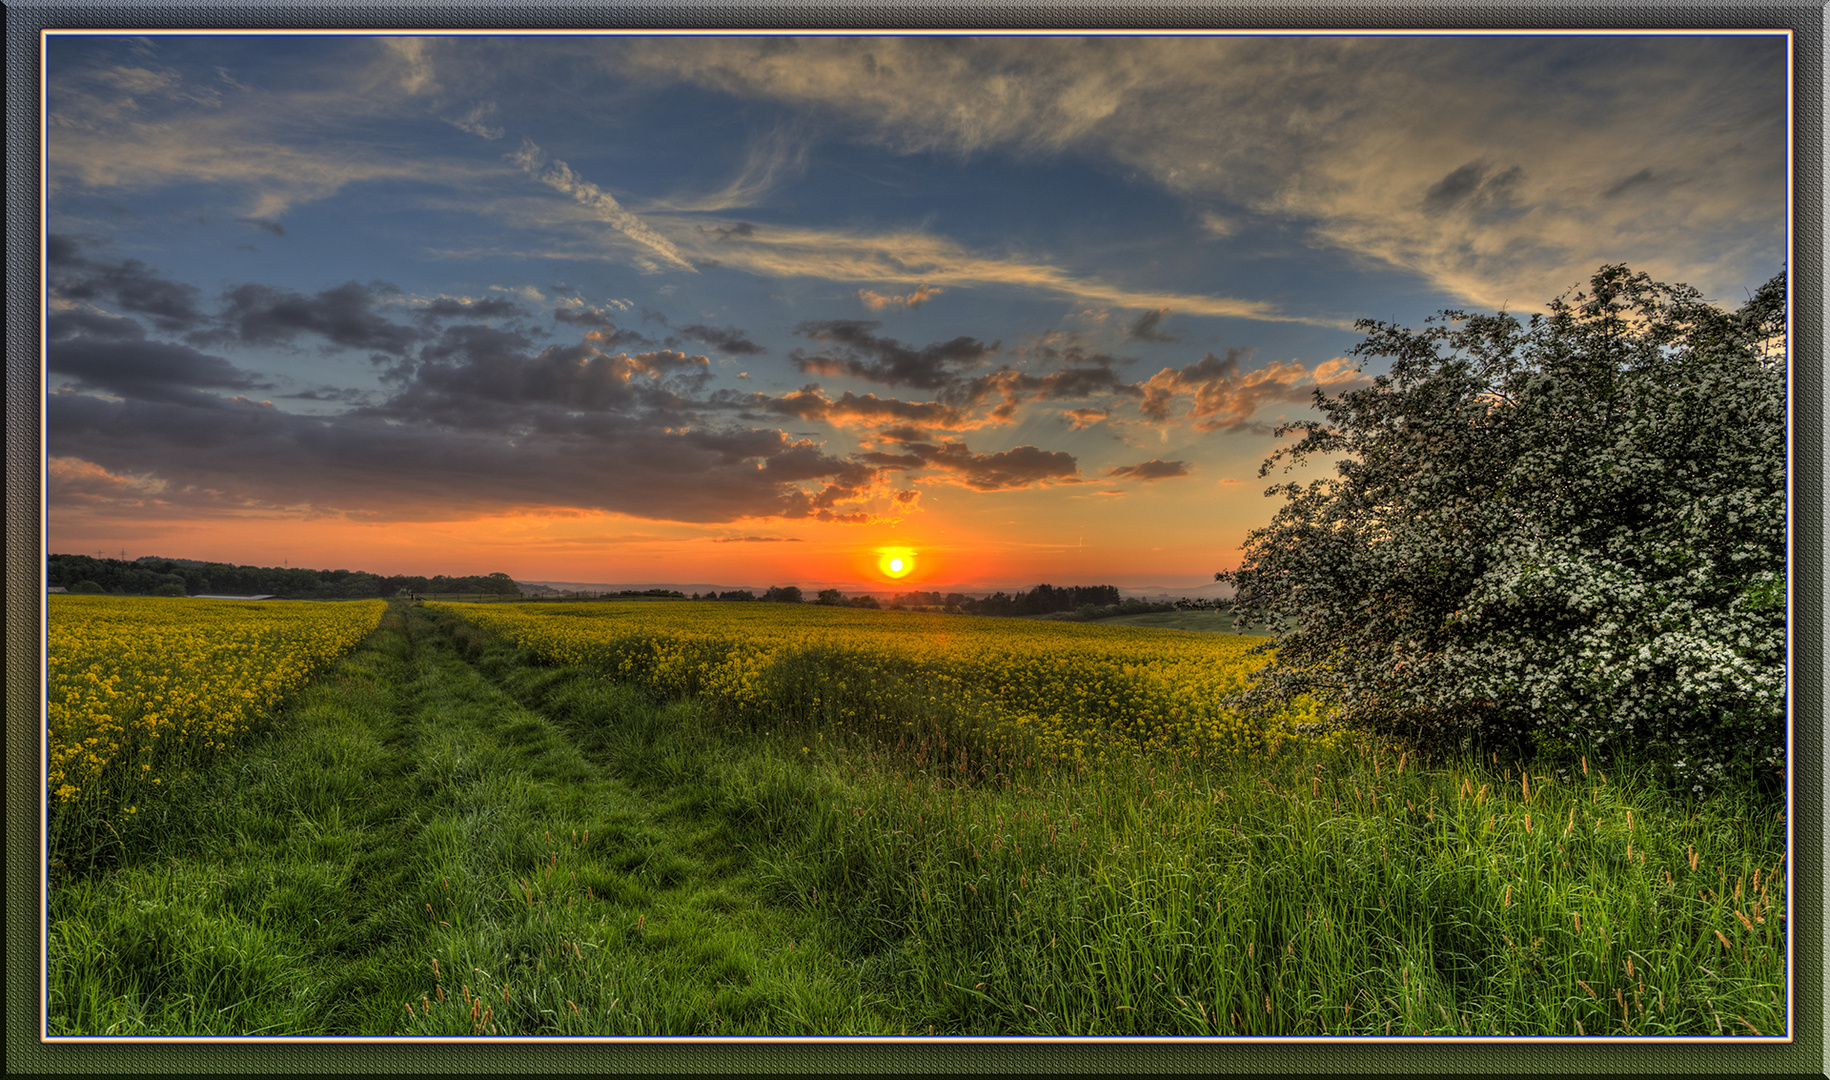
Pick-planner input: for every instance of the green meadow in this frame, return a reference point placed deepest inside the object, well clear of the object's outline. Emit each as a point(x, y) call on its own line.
point(441, 836)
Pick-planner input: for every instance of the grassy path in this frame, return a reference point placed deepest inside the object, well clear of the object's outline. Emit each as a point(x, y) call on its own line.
point(414, 851)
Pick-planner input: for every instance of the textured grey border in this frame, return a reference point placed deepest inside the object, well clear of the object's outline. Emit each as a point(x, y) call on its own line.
point(24, 559)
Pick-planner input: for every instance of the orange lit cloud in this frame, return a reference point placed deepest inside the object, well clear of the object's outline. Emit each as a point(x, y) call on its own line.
point(1223, 398)
point(877, 301)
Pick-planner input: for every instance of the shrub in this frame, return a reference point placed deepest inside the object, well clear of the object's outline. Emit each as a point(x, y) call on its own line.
point(1571, 530)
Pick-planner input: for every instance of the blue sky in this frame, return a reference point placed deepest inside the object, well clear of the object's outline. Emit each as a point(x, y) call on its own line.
point(749, 308)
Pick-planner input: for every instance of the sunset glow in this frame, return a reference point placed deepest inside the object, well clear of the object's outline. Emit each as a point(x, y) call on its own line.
point(971, 312)
point(896, 563)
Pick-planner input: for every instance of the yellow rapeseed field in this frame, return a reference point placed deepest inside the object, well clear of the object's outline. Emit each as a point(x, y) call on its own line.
point(137, 686)
point(1073, 689)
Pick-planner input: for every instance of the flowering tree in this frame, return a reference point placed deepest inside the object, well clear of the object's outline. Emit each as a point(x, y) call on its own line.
point(1570, 529)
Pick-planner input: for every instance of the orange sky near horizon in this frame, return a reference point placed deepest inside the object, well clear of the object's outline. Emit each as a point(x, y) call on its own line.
point(1006, 545)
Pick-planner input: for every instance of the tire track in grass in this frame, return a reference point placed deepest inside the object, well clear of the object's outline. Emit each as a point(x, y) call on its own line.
point(581, 880)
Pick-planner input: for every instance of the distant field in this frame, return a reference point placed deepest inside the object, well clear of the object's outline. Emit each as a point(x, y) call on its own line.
point(1211, 622)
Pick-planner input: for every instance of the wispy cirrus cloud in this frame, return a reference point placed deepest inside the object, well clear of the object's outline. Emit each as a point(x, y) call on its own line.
point(1364, 143)
point(771, 159)
point(917, 259)
point(135, 127)
point(600, 203)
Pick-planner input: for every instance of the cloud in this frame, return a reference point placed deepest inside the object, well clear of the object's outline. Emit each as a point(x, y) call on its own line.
point(71, 481)
point(128, 127)
point(878, 301)
point(1473, 188)
point(918, 259)
point(770, 159)
point(405, 461)
point(1217, 224)
point(811, 403)
point(756, 540)
point(1144, 327)
point(1149, 470)
point(1223, 398)
point(604, 332)
point(1644, 178)
point(474, 121)
point(465, 307)
point(1084, 418)
point(861, 354)
point(604, 207)
point(415, 65)
point(344, 315)
point(726, 339)
point(112, 355)
point(480, 378)
point(1394, 149)
point(1020, 467)
point(739, 231)
point(1012, 388)
point(128, 284)
point(947, 368)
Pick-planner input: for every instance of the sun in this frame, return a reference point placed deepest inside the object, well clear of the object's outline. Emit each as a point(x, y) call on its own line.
point(895, 562)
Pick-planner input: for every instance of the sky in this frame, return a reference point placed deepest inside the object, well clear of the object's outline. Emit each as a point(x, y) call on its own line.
point(763, 309)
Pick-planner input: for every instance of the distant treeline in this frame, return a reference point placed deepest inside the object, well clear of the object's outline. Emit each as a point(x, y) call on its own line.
point(151, 574)
point(1041, 600)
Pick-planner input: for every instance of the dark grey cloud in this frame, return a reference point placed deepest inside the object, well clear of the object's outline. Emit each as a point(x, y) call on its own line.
point(1473, 188)
point(756, 540)
point(61, 325)
point(1020, 467)
point(741, 230)
point(114, 356)
point(446, 307)
point(147, 370)
point(726, 339)
point(1640, 180)
point(584, 317)
point(810, 402)
point(127, 284)
point(1149, 470)
point(273, 227)
point(860, 354)
point(361, 465)
point(1012, 387)
point(1144, 328)
point(604, 330)
point(341, 394)
point(344, 315)
point(481, 377)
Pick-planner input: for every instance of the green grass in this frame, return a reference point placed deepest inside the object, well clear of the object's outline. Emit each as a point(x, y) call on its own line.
point(443, 838)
